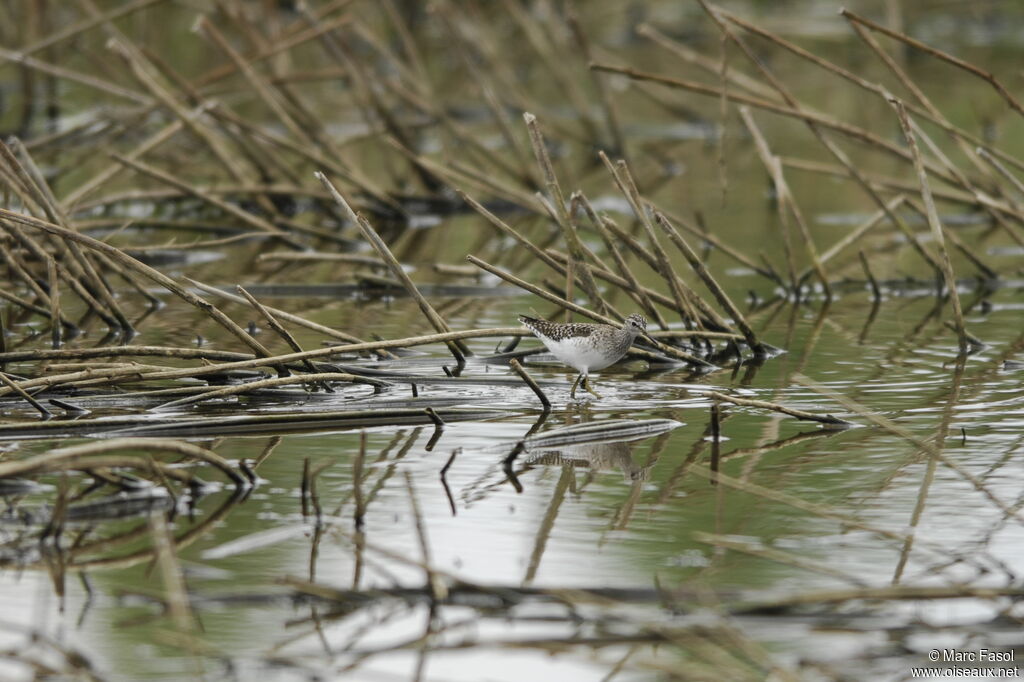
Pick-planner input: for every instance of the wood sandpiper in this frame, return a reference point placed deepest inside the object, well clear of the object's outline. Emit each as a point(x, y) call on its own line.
point(586, 346)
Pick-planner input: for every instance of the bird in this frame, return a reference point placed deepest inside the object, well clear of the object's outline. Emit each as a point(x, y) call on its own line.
point(584, 346)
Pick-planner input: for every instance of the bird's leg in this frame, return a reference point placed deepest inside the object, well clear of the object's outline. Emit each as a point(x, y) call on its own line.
point(572, 393)
point(586, 386)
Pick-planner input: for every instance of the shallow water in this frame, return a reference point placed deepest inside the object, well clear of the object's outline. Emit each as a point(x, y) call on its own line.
point(601, 515)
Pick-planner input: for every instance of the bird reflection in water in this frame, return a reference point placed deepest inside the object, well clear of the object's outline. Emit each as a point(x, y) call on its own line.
point(595, 456)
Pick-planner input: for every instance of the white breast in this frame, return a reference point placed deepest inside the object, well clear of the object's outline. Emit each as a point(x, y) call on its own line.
point(579, 352)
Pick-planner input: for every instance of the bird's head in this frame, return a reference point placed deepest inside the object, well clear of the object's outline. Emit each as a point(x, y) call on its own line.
point(635, 324)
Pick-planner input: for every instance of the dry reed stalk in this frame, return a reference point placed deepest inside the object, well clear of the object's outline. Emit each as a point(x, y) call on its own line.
point(130, 278)
point(529, 381)
point(434, 582)
point(313, 154)
point(486, 80)
point(711, 319)
point(294, 36)
point(463, 139)
point(807, 116)
point(55, 316)
point(681, 293)
point(126, 261)
point(890, 184)
point(592, 261)
point(512, 279)
point(262, 89)
point(91, 378)
point(930, 448)
point(73, 132)
point(828, 419)
point(146, 74)
point(931, 112)
point(456, 270)
point(276, 326)
point(88, 80)
point(100, 178)
point(881, 593)
point(776, 555)
point(505, 229)
point(551, 52)
point(46, 461)
point(935, 224)
point(694, 334)
point(926, 109)
point(284, 315)
point(17, 184)
point(43, 412)
point(607, 276)
point(79, 265)
point(976, 343)
point(43, 355)
point(455, 174)
point(721, 128)
point(717, 291)
point(854, 235)
point(32, 308)
point(88, 278)
point(562, 216)
point(815, 128)
point(989, 158)
point(74, 366)
point(84, 25)
point(154, 73)
point(254, 386)
point(964, 181)
point(938, 54)
point(458, 349)
point(258, 223)
point(357, 486)
point(713, 67)
point(417, 68)
point(178, 602)
point(611, 117)
point(876, 292)
point(365, 93)
point(202, 244)
point(258, 35)
point(718, 244)
point(98, 464)
point(289, 186)
point(16, 266)
point(967, 251)
point(319, 256)
point(786, 200)
point(629, 282)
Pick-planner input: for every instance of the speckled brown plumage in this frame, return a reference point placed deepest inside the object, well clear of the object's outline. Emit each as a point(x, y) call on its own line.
point(586, 346)
point(559, 332)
